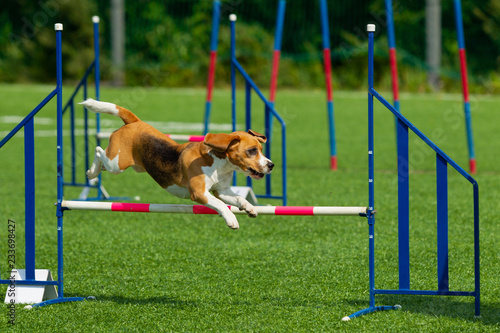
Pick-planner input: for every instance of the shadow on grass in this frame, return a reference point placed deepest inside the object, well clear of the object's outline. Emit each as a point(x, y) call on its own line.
point(159, 300)
point(450, 307)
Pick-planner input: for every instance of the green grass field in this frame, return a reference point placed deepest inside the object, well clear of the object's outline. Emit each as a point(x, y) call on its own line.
point(157, 272)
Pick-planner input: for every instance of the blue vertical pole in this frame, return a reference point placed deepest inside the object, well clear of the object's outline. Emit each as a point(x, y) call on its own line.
point(267, 120)
point(284, 168)
point(328, 81)
point(29, 198)
point(97, 75)
point(97, 67)
point(403, 163)
point(73, 142)
point(268, 115)
point(232, 18)
point(477, 270)
point(86, 134)
point(371, 172)
point(370, 214)
point(60, 179)
point(442, 222)
point(248, 111)
point(233, 72)
point(403, 205)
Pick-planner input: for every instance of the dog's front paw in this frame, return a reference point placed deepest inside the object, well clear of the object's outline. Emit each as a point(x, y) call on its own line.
point(250, 210)
point(231, 221)
point(91, 175)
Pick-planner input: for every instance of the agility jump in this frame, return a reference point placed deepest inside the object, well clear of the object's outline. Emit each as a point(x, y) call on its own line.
point(442, 163)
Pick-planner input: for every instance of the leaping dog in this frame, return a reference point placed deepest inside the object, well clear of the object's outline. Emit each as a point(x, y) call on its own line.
point(190, 170)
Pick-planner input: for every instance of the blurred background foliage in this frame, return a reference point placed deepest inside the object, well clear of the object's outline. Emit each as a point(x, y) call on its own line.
point(170, 40)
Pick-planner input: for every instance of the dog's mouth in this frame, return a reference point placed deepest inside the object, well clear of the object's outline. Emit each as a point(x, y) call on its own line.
point(255, 174)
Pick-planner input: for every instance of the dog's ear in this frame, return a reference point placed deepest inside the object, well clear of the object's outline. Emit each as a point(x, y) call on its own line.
point(260, 137)
point(221, 141)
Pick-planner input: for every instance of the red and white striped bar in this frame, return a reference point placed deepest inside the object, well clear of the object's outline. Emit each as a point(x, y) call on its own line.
point(176, 137)
point(200, 209)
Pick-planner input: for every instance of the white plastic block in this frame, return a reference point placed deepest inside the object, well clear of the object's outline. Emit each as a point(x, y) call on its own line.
point(29, 294)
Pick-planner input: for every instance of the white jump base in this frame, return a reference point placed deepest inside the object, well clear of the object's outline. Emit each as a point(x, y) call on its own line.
point(200, 209)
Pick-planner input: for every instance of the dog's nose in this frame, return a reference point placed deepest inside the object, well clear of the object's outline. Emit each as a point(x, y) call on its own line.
point(270, 165)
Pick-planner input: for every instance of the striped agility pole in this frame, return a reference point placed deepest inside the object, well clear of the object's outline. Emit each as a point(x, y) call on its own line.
point(278, 36)
point(213, 60)
point(203, 210)
point(323, 7)
point(465, 84)
point(391, 37)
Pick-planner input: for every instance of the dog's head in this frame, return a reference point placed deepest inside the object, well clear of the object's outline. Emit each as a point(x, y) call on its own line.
point(244, 150)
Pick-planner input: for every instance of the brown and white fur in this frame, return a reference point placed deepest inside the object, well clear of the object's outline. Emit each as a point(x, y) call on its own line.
point(201, 171)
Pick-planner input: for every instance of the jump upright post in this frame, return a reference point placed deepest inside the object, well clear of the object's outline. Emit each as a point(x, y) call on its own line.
point(87, 185)
point(31, 285)
point(249, 86)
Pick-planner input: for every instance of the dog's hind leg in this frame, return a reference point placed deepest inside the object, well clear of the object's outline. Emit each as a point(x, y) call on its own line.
point(95, 168)
point(102, 162)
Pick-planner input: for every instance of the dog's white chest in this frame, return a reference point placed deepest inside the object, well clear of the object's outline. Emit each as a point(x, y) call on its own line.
point(218, 175)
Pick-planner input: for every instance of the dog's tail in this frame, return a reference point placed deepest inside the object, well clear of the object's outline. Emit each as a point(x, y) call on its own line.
point(110, 108)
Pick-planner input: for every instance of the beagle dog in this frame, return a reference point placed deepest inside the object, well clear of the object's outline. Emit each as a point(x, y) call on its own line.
point(201, 171)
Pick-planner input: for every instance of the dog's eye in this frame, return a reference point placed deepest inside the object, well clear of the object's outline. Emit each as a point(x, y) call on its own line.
point(252, 152)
